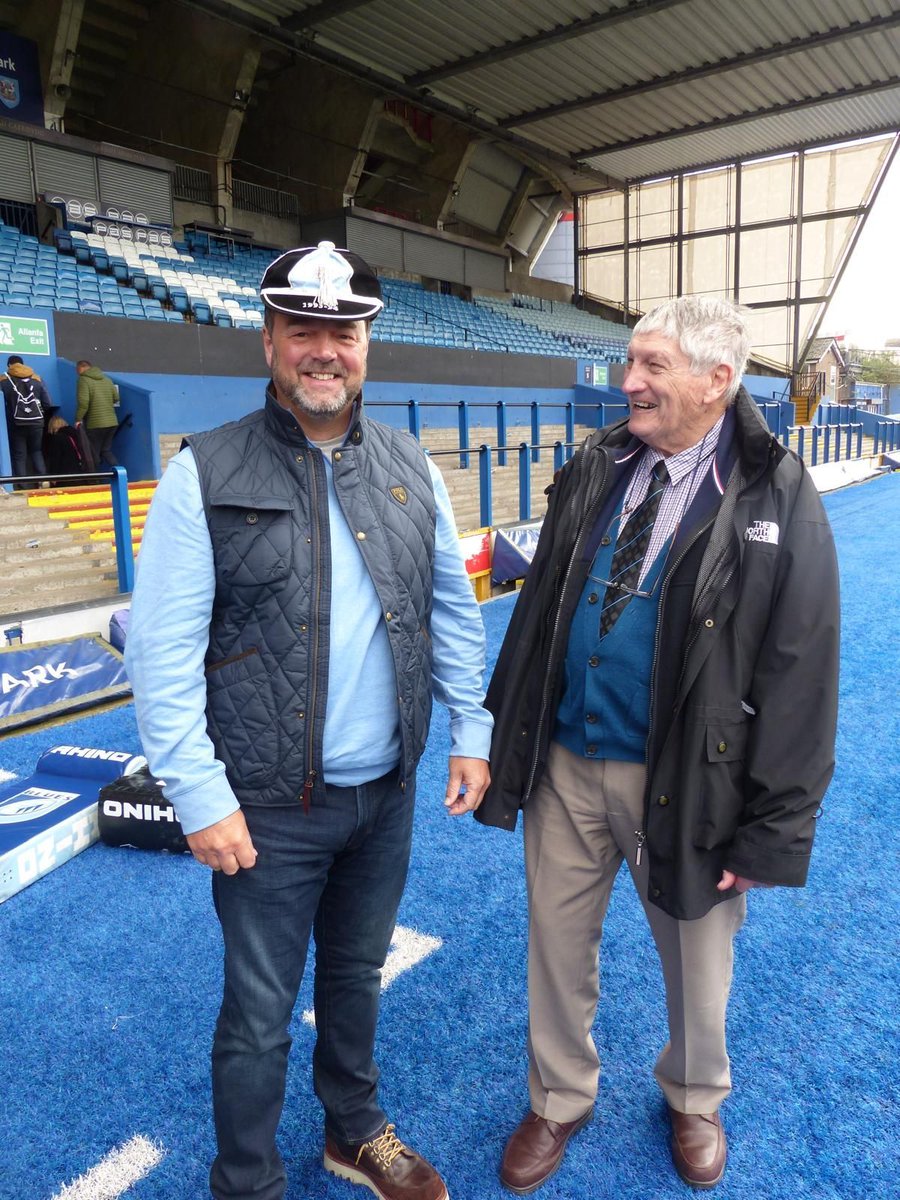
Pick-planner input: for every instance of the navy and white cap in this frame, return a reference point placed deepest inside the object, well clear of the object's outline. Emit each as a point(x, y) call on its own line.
point(322, 281)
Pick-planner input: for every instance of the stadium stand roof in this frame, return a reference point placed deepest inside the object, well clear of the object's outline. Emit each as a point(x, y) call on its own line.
point(618, 91)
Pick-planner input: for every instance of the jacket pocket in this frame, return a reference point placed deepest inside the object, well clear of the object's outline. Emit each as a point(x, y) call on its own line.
point(253, 544)
point(722, 752)
point(242, 719)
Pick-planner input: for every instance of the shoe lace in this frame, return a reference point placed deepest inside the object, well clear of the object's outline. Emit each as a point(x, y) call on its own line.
point(383, 1148)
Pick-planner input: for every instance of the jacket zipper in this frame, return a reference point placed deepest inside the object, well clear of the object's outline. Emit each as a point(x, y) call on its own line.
point(641, 834)
point(545, 696)
point(315, 608)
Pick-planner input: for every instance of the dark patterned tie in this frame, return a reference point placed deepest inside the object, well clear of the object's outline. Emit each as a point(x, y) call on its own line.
point(625, 570)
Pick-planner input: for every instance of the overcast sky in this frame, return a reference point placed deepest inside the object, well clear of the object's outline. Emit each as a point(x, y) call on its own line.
point(866, 305)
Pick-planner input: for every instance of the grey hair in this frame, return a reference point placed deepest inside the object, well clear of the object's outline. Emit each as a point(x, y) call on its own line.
point(708, 330)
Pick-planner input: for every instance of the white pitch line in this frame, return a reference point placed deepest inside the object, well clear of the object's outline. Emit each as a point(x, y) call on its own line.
point(408, 947)
point(115, 1172)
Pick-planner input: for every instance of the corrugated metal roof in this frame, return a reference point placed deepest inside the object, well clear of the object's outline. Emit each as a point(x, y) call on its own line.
point(627, 88)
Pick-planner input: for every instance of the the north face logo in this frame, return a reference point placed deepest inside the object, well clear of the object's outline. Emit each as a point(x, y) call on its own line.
point(762, 531)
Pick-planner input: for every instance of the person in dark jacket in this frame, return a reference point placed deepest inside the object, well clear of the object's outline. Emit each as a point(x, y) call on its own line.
point(300, 595)
point(63, 451)
point(666, 694)
point(26, 401)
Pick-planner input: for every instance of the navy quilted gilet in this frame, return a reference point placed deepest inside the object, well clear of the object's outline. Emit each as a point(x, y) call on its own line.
point(265, 495)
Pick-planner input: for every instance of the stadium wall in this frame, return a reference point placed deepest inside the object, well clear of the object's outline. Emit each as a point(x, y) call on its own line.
point(187, 378)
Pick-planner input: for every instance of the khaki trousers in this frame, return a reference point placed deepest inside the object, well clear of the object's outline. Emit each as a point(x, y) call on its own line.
point(579, 825)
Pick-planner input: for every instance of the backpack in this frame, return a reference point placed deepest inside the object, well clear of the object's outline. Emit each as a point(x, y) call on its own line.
point(26, 407)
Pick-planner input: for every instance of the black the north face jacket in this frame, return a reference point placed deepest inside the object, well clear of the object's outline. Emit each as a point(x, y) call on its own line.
point(744, 689)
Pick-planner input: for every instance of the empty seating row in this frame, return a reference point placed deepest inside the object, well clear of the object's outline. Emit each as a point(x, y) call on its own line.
point(115, 277)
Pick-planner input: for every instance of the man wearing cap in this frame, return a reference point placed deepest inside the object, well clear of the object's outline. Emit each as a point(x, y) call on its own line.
point(300, 596)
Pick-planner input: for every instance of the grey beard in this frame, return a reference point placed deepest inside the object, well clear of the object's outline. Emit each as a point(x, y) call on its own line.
point(302, 404)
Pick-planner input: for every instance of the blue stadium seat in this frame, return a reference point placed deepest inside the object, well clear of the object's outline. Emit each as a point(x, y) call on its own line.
point(63, 240)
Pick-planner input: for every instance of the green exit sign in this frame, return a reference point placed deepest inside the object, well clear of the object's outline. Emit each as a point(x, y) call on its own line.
point(23, 335)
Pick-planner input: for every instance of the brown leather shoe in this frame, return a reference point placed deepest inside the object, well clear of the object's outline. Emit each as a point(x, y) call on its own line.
point(386, 1167)
point(698, 1147)
point(535, 1151)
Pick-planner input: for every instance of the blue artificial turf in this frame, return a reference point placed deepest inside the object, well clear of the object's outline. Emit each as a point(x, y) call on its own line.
point(110, 972)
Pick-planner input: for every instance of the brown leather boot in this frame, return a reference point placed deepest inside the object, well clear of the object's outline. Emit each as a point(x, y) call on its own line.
point(698, 1147)
point(386, 1166)
point(535, 1151)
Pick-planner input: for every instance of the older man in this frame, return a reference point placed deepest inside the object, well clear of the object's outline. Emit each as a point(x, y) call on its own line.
point(666, 694)
point(300, 595)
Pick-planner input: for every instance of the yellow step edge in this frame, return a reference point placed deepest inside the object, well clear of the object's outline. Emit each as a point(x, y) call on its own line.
point(100, 514)
point(51, 498)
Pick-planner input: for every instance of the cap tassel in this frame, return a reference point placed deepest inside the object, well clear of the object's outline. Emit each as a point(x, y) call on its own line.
point(326, 297)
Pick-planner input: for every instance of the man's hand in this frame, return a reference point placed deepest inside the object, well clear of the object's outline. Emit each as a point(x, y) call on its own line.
point(471, 773)
point(738, 882)
point(225, 846)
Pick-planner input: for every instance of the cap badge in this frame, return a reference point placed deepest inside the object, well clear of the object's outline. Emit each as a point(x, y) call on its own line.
point(324, 274)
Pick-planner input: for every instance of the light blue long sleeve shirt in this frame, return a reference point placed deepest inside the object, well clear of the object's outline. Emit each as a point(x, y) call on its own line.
point(168, 636)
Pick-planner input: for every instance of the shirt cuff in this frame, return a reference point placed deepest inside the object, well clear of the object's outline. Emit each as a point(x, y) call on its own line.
point(470, 738)
point(204, 805)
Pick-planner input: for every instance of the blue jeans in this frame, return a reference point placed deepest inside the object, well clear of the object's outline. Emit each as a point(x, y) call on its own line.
point(337, 871)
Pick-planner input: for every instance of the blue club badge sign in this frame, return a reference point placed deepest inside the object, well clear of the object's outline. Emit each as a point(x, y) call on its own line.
point(9, 92)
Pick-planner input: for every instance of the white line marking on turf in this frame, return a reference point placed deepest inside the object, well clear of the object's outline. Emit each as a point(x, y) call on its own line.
point(115, 1172)
point(408, 947)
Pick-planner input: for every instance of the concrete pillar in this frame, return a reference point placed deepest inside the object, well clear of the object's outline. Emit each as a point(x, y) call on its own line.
point(231, 128)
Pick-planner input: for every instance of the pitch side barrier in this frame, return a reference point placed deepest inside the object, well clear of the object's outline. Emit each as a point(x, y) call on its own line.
point(50, 817)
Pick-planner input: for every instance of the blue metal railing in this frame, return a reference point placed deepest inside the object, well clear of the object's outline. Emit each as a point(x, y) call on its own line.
point(886, 437)
point(822, 443)
point(832, 441)
point(524, 450)
point(601, 413)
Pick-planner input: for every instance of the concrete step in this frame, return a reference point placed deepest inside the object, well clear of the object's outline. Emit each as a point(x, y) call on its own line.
point(51, 569)
point(68, 592)
point(15, 516)
point(83, 554)
point(15, 540)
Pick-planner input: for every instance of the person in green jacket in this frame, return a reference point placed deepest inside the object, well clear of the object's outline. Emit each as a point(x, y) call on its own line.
point(96, 398)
